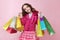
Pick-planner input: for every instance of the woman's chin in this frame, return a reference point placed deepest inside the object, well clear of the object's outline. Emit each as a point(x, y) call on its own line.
point(28, 12)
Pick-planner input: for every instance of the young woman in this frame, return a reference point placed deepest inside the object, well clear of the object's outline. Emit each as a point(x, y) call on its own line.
point(28, 18)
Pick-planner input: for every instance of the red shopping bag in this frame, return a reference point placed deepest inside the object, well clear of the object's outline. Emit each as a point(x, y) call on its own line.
point(11, 30)
point(12, 26)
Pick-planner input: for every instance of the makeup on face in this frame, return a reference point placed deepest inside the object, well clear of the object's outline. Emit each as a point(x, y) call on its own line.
point(27, 8)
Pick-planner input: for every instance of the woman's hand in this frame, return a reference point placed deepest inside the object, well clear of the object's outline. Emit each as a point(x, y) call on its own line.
point(20, 15)
point(40, 14)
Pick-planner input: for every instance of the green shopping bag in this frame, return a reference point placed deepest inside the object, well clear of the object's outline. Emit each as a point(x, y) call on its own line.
point(48, 26)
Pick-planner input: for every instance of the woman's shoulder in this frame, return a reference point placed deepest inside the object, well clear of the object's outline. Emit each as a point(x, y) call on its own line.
point(35, 12)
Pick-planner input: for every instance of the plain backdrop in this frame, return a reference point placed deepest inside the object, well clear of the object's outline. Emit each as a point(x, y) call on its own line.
point(49, 8)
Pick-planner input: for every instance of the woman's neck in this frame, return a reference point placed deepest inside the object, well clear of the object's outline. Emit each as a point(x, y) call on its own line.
point(30, 12)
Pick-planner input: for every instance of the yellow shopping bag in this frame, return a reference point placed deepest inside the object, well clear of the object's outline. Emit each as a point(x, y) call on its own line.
point(7, 24)
point(39, 32)
point(19, 26)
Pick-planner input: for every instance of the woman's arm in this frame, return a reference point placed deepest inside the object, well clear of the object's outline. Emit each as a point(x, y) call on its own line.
point(23, 19)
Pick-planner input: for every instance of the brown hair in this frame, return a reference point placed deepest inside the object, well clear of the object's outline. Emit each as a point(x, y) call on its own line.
point(24, 12)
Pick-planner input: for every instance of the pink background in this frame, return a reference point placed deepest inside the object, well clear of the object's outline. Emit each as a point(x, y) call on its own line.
point(50, 8)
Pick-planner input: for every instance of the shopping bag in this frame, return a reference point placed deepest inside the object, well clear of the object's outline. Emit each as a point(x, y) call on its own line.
point(19, 26)
point(11, 28)
point(13, 23)
point(7, 24)
point(43, 26)
point(39, 32)
point(48, 26)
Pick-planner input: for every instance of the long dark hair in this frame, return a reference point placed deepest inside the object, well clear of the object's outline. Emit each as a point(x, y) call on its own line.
point(24, 12)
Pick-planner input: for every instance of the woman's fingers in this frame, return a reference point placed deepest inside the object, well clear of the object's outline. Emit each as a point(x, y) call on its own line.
point(20, 15)
point(40, 14)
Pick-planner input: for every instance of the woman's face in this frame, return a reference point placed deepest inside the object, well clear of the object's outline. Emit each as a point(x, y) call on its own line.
point(27, 8)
